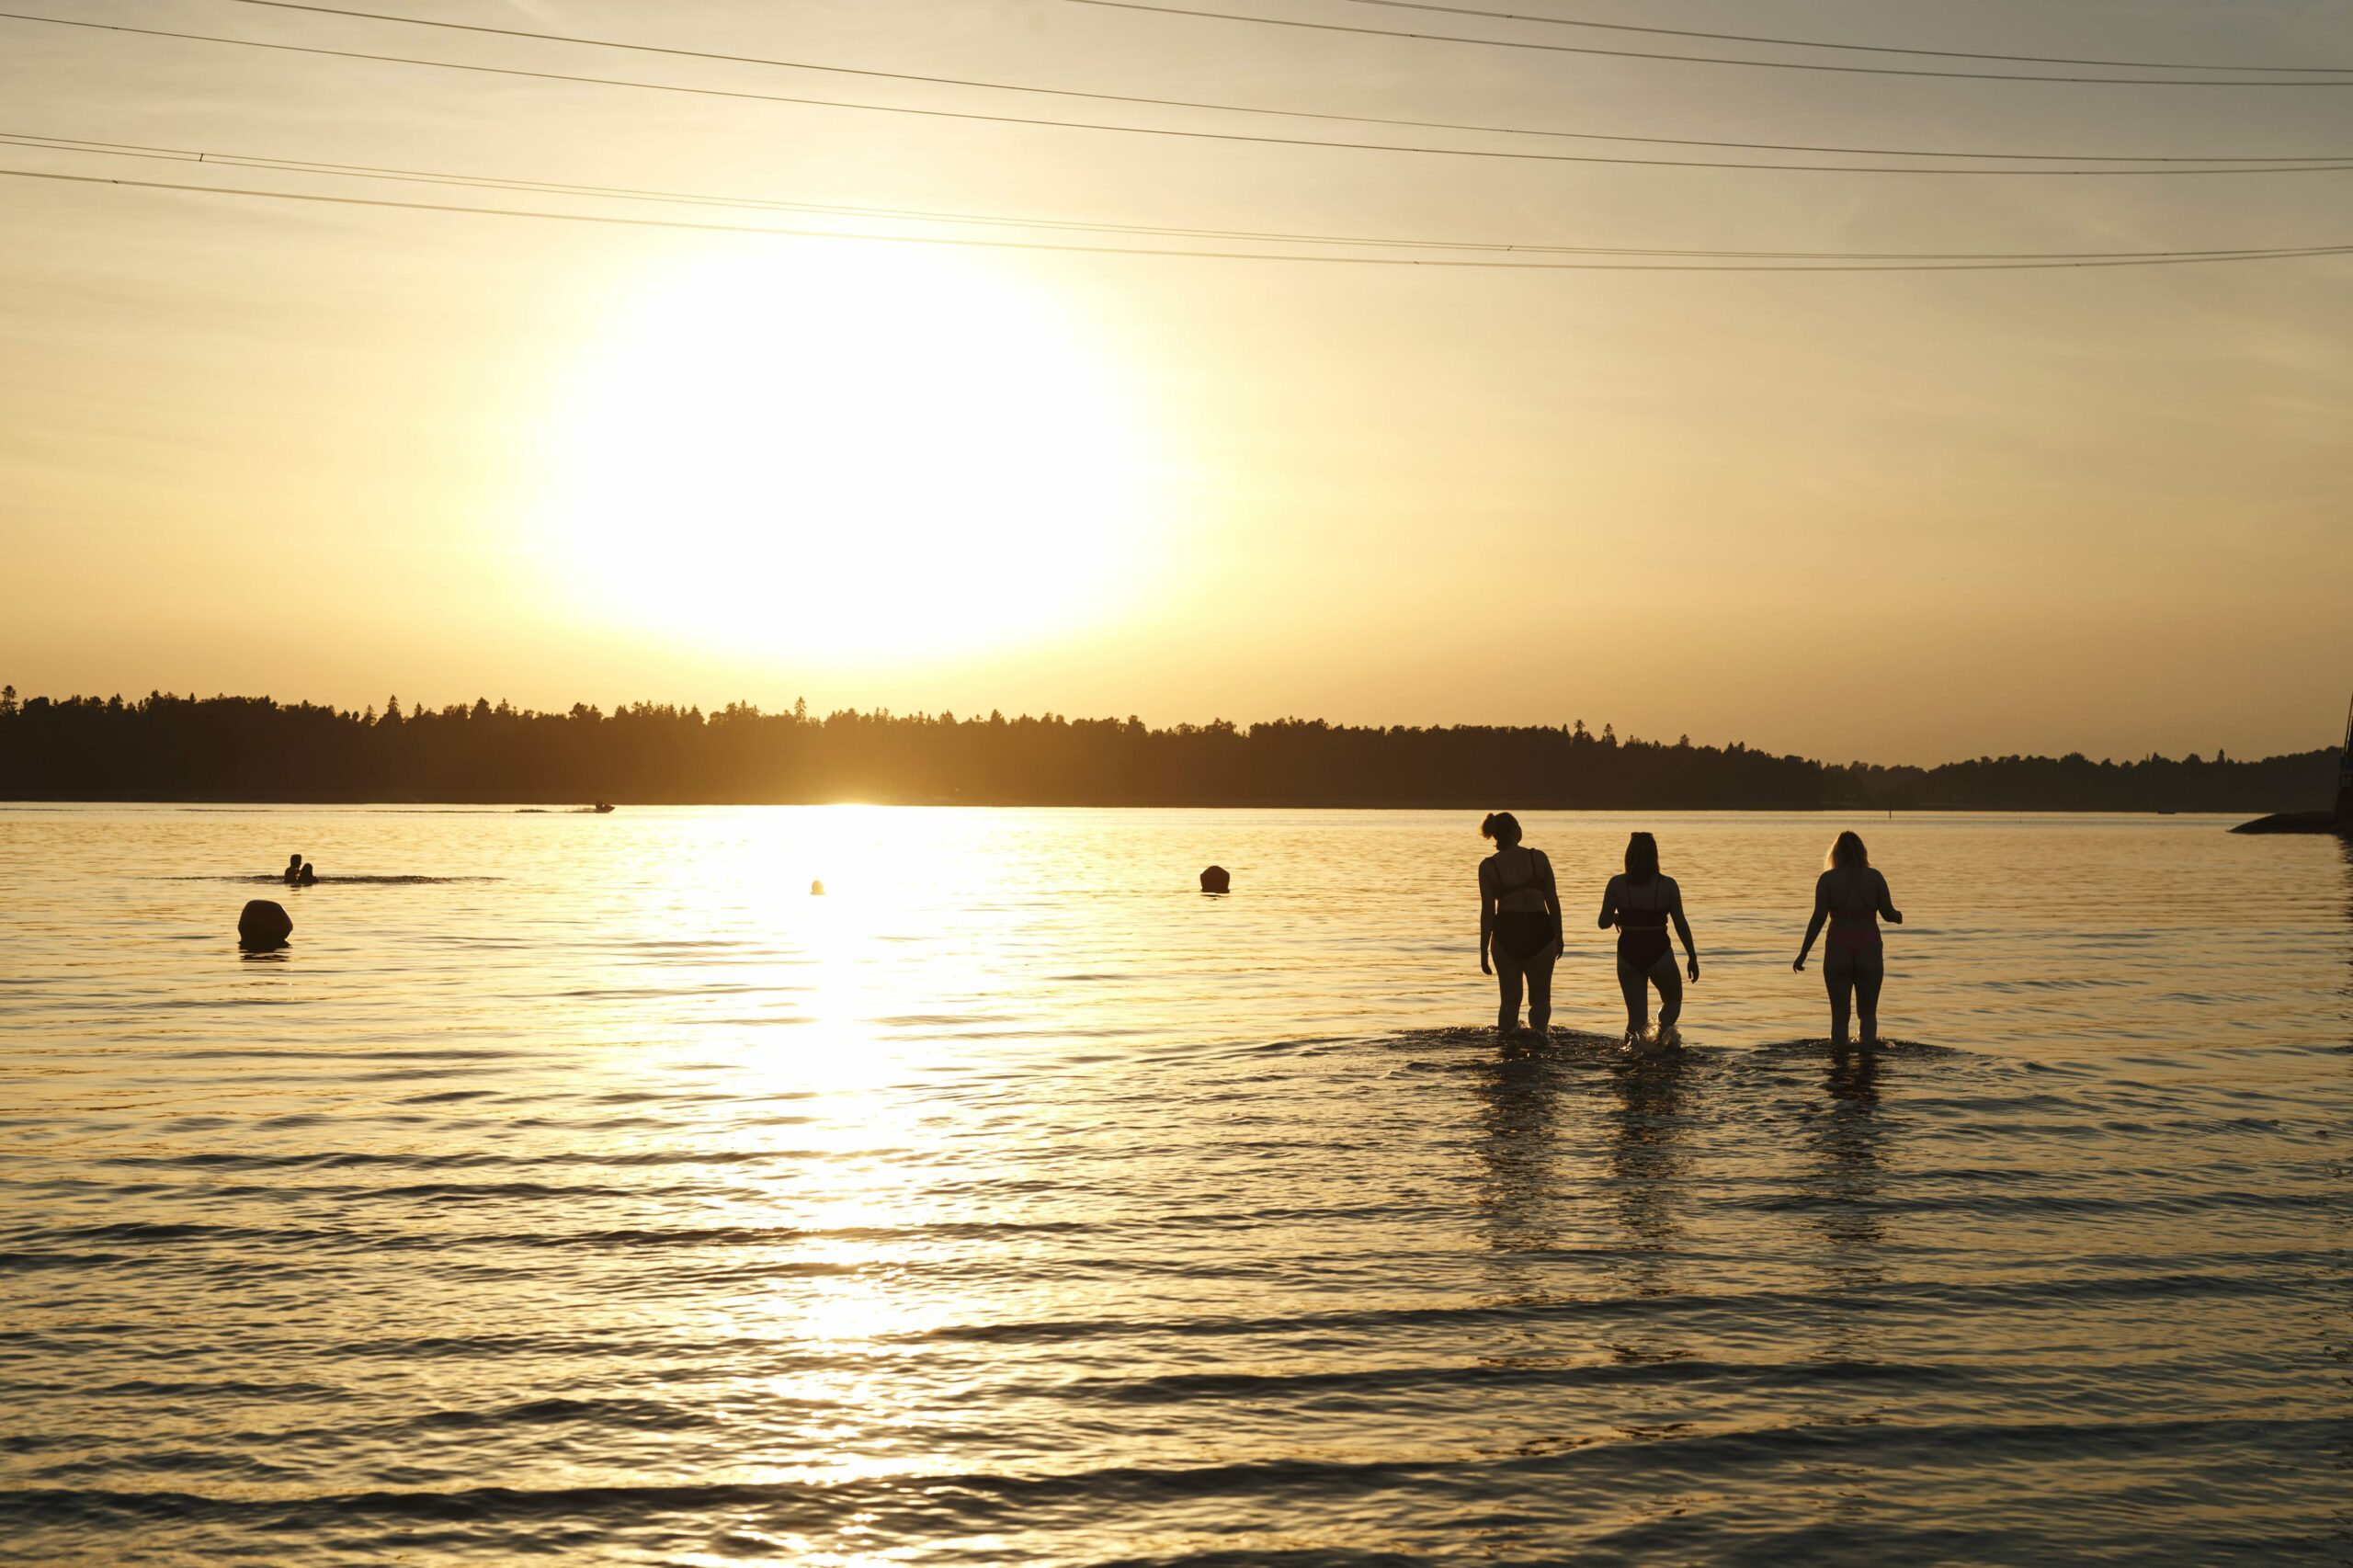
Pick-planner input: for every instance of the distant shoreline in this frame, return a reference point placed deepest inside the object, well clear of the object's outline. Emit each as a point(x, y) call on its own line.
point(253, 750)
point(565, 808)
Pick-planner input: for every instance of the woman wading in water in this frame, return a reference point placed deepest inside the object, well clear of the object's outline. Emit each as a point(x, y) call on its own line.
point(1520, 924)
point(1639, 901)
point(1853, 898)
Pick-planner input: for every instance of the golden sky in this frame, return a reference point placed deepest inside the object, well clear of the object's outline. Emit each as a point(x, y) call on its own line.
point(336, 451)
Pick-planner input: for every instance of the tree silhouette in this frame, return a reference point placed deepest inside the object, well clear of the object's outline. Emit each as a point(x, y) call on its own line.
point(166, 747)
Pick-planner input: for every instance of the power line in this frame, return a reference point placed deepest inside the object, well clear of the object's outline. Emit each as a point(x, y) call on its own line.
point(1242, 137)
point(2047, 264)
point(1286, 113)
point(2343, 81)
point(635, 193)
point(1822, 43)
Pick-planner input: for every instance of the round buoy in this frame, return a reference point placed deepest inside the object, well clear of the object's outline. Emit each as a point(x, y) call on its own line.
point(263, 926)
point(1215, 880)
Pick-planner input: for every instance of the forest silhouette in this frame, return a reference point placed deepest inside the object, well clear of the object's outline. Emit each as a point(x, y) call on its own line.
point(164, 748)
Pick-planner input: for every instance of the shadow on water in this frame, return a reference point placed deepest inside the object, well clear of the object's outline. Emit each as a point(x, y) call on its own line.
point(1520, 1192)
point(1649, 1162)
point(1572, 1137)
point(1584, 1180)
point(1847, 1147)
point(2345, 849)
point(2337, 1335)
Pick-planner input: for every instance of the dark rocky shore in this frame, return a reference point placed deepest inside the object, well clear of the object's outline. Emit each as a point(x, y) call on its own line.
point(2300, 822)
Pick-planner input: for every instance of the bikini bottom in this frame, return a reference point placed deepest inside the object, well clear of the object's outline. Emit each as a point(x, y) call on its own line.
point(1523, 933)
point(1640, 946)
point(1849, 961)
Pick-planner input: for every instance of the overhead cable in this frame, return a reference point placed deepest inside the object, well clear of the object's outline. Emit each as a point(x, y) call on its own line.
point(2338, 81)
point(902, 214)
point(1827, 44)
point(978, 83)
point(1318, 260)
point(1231, 136)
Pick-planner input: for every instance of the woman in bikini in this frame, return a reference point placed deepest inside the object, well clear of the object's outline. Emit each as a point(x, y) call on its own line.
point(1639, 901)
point(1520, 924)
point(1853, 898)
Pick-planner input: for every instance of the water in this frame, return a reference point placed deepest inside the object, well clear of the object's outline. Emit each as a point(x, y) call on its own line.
point(610, 1199)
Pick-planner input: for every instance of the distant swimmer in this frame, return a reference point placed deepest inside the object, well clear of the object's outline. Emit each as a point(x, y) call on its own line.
point(1639, 901)
point(293, 868)
point(1853, 898)
point(306, 876)
point(1520, 924)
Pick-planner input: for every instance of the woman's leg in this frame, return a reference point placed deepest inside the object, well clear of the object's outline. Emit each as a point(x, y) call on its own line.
point(1669, 981)
point(1871, 971)
point(1636, 987)
point(1540, 987)
point(1507, 976)
point(1838, 976)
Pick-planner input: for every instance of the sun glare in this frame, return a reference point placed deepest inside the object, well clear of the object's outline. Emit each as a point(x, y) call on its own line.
point(849, 453)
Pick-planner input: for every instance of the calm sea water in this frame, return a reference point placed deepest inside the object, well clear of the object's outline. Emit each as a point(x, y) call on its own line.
point(583, 1187)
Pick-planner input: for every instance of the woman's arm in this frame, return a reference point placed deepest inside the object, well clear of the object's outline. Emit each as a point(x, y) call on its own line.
point(1683, 929)
point(1813, 926)
point(1887, 910)
point(1552, 896)
point(1487, 920)
point(1609, 905)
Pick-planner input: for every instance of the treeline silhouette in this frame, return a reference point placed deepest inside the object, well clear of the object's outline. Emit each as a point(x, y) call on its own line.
point(163, 748)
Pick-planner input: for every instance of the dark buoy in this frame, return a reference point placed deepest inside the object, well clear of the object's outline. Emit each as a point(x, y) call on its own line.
point(1214, 880)
point(264, 925)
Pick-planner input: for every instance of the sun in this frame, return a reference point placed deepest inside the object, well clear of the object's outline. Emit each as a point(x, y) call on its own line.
point(849, 453)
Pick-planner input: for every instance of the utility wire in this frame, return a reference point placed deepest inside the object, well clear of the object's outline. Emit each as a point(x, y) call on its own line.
point(551, 188)
point(1822, 43)
point(1284, 113)
point(2341, 81)
point(1249, 138)
point(2278, 254)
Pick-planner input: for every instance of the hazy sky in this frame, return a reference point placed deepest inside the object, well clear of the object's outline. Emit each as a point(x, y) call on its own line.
point(336, 451)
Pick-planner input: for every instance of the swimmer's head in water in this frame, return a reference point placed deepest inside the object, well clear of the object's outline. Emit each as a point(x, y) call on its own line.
point(1641, 859)
point(1501, 826)
point(1847, 850)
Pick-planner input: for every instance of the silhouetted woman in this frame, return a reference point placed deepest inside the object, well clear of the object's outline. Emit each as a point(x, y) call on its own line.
point(1520, 924)
point(1852, 897)
point(1639, 901)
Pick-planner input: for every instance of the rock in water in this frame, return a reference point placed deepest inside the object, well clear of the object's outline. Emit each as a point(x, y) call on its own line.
point(2299, 822)
point(1214, 880)
point(264, 925)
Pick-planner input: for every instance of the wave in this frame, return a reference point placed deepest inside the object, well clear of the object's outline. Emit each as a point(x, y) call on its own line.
point(374, 881)
point(925, 1500)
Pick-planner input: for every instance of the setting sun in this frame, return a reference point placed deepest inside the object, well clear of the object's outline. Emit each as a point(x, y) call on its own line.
point(848, 451)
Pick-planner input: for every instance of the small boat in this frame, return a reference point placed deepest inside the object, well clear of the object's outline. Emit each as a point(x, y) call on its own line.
point(601, 807)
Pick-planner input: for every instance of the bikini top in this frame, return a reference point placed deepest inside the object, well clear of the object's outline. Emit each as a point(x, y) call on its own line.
point(1648, 918)
point(1527, 883)
point(1867, 910)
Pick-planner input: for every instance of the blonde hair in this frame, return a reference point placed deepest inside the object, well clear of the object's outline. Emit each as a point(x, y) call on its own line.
point(1847, 850)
